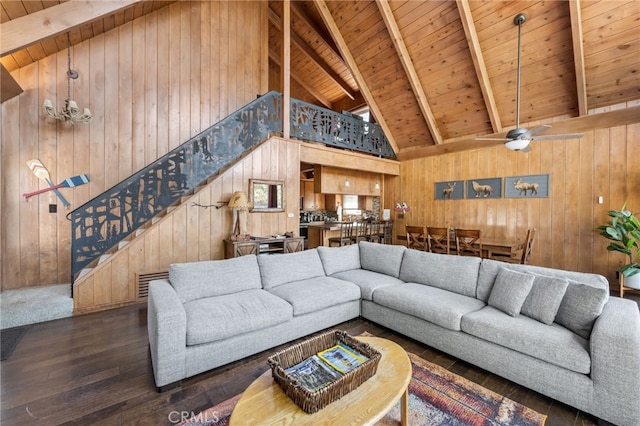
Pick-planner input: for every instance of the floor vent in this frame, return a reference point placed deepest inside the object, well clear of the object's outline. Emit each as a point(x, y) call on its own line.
point(144, 279)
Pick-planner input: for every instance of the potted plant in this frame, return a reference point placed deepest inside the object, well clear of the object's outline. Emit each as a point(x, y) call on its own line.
point(624, 232)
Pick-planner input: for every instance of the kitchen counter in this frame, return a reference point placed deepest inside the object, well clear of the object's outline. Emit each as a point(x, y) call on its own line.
point(320, 232)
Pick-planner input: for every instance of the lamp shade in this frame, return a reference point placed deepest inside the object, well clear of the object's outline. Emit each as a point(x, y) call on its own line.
point(240, 200)
point(517, 144)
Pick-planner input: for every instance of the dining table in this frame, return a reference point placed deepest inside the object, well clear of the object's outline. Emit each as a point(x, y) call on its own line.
point(490, 246)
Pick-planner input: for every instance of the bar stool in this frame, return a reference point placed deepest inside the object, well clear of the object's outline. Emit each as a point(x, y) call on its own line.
point(346, 235)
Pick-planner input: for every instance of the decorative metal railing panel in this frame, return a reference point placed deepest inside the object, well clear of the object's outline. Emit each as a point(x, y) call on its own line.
point(107, 219)
point(102, 222)
point(311, 122)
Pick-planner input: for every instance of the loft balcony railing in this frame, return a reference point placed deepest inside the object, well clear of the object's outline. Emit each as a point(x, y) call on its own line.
point(101, 223)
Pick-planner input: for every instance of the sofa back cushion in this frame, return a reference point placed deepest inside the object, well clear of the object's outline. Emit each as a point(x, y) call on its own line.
point(382, 258)
point(454, 273)
point(582, 302)
point(339, 259)
point(280, 269)
point(196, 280)
point(489, 270)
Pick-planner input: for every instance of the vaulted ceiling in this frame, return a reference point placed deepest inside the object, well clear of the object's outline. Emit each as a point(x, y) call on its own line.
point(437, 74)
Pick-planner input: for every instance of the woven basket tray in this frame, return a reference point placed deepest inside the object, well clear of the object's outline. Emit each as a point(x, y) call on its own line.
point(311, 402)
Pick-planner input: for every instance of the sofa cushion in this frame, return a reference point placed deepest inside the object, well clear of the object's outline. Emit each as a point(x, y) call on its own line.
point(580, 307)
point(280, 269)
point(489, 270)
point(549, 343)
point(368, 281)
point(195, 280)
point(454, 273)
point(544, 299)
point(383, 258)
point(316, 294)
point(510, 291)
point(215, 318)
point(440, 307)
point(339, 259)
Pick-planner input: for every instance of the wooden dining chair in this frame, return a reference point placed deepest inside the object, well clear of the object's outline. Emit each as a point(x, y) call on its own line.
point(346, 235)
point(521, 256)
point(468, 242)
point(417, 237)
point(438, 240)
point(386, 232)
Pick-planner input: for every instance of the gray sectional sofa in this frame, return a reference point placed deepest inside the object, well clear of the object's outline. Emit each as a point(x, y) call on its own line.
point(556, 332)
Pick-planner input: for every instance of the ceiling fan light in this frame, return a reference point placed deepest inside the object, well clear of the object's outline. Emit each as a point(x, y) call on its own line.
point(517, 144)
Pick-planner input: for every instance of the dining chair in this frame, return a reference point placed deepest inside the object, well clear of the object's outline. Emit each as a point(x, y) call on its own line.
point(346, 235)
point(386, 232)
point(468, 242)
point(523, 255)
point(417, 237)
point(439, 240)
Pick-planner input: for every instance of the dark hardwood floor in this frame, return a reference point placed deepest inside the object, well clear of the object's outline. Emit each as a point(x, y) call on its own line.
point(96, 370)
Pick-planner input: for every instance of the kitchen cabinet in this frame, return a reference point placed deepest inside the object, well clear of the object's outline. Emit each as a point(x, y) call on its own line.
point(333, 180)
point(311, 199)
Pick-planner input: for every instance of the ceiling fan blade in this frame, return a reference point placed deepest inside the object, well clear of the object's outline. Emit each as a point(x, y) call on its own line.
point(492, 139)
point(529, 133)
point(526, 149)
point(558, 137)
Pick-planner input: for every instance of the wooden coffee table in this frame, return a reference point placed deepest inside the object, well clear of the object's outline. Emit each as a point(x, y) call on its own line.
point(265, 403)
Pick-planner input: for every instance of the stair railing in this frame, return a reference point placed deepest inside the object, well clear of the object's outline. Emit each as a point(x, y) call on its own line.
point(104, 221)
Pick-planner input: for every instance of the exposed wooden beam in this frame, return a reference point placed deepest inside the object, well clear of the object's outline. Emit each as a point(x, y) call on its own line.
point(313, 56)
point(578, 55)
point(479, 64)
point(22, 32)
point(353, 66)
point(285, 68)
point(620, 117)
point(275, 57)
point(328, 156)
point(9, 88)
point(319, 32)
point(409, 69)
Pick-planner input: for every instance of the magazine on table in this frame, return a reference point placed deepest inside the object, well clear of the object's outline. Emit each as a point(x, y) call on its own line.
point(342, 358)
point(313, 373)
point(327, 366)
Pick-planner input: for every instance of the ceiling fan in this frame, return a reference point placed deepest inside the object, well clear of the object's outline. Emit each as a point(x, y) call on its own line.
point(519, 139)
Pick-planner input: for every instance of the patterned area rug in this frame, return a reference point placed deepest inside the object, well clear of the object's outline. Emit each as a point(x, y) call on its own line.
point(437, 397)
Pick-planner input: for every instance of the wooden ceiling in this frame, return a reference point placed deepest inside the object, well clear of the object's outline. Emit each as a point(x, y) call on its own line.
point(436, 74)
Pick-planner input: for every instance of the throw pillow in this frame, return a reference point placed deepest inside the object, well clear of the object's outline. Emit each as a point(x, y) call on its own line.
point(510, 290)
point(544, 299)
point(580, 307)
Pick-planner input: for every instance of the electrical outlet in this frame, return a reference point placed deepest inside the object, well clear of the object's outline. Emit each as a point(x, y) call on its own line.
point(289, 214)
point(53, 208)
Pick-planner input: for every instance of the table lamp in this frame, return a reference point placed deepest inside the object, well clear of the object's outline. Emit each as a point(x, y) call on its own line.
point(240, 204)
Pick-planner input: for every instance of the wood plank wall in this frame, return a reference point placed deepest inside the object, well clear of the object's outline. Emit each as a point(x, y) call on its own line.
point(193, 233)
point(602, 163)
point(151, 84)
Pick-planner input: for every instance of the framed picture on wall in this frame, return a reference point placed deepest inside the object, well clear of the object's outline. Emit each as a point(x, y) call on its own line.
point(449, 190)
point(484, 188)
point(527, 186)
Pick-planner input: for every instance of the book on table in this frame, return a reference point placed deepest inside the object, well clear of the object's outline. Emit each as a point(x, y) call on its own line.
point(322, 369)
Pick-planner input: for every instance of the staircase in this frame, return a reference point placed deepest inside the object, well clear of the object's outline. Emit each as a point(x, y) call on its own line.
point(117, 219)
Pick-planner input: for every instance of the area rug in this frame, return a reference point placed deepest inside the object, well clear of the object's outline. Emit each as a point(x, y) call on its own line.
point(437, 397)
point(9, 339)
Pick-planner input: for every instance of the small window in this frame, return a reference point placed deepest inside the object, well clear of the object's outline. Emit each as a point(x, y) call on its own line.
point(350, 205)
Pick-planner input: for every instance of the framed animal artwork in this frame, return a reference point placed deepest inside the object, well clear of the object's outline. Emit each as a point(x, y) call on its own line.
point(528, 186)
point(449, 190)
point(484, 188)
